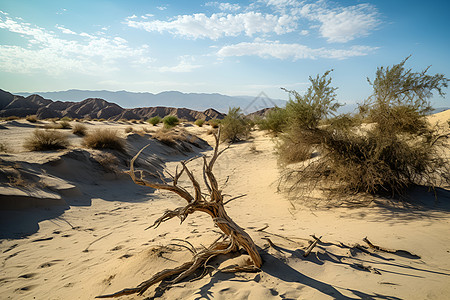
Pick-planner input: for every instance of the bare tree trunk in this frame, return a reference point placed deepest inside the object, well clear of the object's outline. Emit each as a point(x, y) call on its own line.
point(235, 236)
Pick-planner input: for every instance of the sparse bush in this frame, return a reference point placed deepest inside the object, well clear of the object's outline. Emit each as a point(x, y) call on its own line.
point(170, 121)
point(3, 147)
point(155, 120)
point(128, 129)
point(66, 119)
point(274, 121)
point(397, 151)
point(169, 136)
point(214, 123)
point(64, 125)
point(43, 140)
point(234, 127)
point(199, 122)
point(104, 139)
point(79, 129)
point(31, 118)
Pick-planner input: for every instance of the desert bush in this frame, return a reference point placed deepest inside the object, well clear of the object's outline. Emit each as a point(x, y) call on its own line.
point(155, 120)
point(67, 119)
point(169, 136)
point(199, 122)
point(274, 121)
point(3, 147)
point(64, 125)
point(170, 121)
point(234, 127)
point(214, 123)
point(79, 129)
point(128, 129)
point(31, 118)
point(43, 140)
point(104, 139)
point(397, 151)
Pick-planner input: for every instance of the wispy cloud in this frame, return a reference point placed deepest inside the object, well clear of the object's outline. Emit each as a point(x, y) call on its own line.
point(219, 25)
point(224, 6)
point(186, 64)
point(342, 24)
point(47, 52)
point(294, 51)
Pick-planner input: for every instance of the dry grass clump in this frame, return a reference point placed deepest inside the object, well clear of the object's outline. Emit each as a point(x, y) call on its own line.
point(128, 129)
point(104, 139)
point(79, 129)
point(31, 118)
point(169, 137)
point(398, 150)
point(43, 140)
point(235, 127)
point(3, 147)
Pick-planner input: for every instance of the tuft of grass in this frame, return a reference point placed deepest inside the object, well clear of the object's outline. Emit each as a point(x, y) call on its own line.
point(31, 118)
point(64, 125)
point(3, 147)
point(128, 129)
point(169, 137)
point(43, 140)
point(170, 121)
point(199, 122)
point(67, 119)
point(79, 129)
point(104, 139)
point(155, 120)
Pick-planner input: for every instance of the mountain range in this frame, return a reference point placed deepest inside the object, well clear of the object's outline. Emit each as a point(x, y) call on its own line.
point(91, 108)
point(196, 101)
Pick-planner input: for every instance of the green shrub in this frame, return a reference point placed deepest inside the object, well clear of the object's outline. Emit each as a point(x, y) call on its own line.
point(67, 119)
point(170, 121)
point(43, 140)
point(104, 139)
point(155, 120)
point(234, 127)
point(214, 123)
point(274, 121)
point(79, 129)
point(199, 122)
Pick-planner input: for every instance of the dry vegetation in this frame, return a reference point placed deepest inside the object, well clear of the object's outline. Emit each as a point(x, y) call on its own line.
point(104, 139)
point(43, 140)
point(399, 149)
point(79, 129)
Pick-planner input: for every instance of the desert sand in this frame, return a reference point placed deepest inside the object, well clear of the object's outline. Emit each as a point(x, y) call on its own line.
point(83, 232)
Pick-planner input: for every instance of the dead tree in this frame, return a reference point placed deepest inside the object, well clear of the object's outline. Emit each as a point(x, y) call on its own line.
point(234, 236)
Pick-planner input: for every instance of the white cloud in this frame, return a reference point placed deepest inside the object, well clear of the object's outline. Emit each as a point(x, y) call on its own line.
point(342, 24)
point(224, 6)
point(185, 65)
point(219, 25)
point(274, 49)
point(48, 52)
point(161, 7)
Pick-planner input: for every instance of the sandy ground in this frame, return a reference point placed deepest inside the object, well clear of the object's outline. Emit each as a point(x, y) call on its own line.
point(96, 242)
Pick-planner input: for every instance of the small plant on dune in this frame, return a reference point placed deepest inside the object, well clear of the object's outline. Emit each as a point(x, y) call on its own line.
point(397, 151)
point(3, 147)
point(169, 136)
point(274, 121)
point(234, 127)
point(199, 122)
point(104, 139)
point(214, 123)
point(128, 129)
point(67, 119)
point(43, 140)
point(155, 120)
point(170, 121)
point(79, 129)
point(31, 119)
point(64, 125)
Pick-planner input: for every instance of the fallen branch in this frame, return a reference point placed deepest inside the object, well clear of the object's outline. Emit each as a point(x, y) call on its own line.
point(313, 244)
point(403, 253)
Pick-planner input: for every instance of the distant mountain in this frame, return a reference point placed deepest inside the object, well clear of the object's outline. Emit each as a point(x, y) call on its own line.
point(16, 105)
point(195, 101)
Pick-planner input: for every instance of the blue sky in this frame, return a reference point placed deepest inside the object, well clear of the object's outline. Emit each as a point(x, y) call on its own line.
point(233, 48)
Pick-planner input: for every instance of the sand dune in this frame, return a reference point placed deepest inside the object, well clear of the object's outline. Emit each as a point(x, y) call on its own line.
point(96, 242)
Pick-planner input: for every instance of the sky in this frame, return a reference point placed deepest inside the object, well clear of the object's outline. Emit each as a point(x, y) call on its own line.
point(233, 48)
